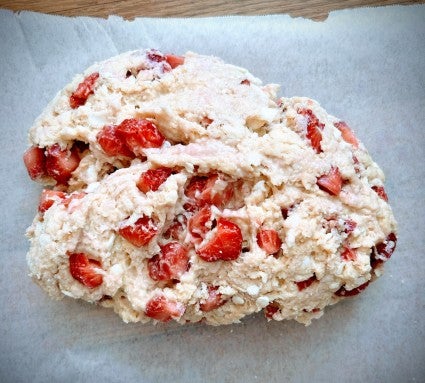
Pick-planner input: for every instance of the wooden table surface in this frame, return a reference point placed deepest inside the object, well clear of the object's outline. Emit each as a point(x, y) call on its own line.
point(314, 9)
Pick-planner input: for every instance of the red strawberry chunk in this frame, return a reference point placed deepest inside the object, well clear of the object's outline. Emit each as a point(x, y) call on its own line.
point(383, 250)
point(225, 245)
point(314, 129)
point(209, 190)
point(170, 264)
point(214, 300)
point(141, 233)
point(152, 179)
point(381, 192)
point(48, 198)
point(84, 270)
point(176, 229)
point(35, 162)
point(193, 192)
point(61, 163)
point(346, 133)
point(271, 309)
point(155, 55)
point(348, 254)
point(83, 91)
point(198, 223)
point(331, 182)
point(174, 60)
point(304, 284)
point(73, 196)
point(268, 240)
point(212, 196)
point(162, 309)
point(139, 134)
point(111, 143)
point(342, 292)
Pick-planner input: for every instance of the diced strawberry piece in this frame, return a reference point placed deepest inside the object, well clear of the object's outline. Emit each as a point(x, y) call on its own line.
point(139, 134)
point(225, 245)
point(35, 162)
point(83, 91)
point(155, 55)
point(381, 192)
point(331, 182)
point(202, 190)
point(61, 163)
point(314, 129)
point(73, 196)
point(215, 197)
point(112, 143)
point(349, 226)
point(170, 264)
point(84, 270)
point(383, 250)
point(174, 60)
point(214, 300)
point(194, 188)
point(268, 240)
point(48, 198)
point(198, 223)
point(152, 179)
point(271, 309)
point(141, 233)
point(304, 284)
point(348, 254)
point(346, 133)
point(176, 229)
point(162, 309)
point(342, 292)
point(245, 82)
point(386, 249)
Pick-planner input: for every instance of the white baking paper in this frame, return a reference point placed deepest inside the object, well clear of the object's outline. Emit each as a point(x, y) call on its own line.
point(366, 66)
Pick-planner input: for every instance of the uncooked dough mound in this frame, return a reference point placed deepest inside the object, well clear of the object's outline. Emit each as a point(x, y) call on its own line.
point(182, 188)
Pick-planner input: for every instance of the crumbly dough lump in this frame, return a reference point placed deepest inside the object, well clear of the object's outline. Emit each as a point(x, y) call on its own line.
point(182, 188)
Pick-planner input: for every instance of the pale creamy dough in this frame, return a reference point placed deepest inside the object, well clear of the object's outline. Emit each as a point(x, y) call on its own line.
point(216, 118)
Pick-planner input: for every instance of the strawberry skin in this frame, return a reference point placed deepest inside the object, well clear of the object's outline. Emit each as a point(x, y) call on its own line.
point(83, 91)
point(346, 133)
point(331, 182)
point(314, 129)
point(35, 162)
point(152, 179)
point(84, 270)
point(170, 264)
point(306, 283)
point(141, 233)
point(225, 245)
point(213, 301)
point(268, 240)
point(163, 309)
point(61, 163)
point(342, 292)
point(381, 192)
point(174, 60)
point(48, 198)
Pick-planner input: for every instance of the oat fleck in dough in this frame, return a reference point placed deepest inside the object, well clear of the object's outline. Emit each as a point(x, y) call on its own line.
point(182, 188)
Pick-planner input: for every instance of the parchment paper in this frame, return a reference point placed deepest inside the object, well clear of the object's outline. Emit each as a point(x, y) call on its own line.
point(366, 66)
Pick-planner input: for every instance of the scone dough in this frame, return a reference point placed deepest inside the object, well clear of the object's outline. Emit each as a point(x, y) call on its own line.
point(283, 172)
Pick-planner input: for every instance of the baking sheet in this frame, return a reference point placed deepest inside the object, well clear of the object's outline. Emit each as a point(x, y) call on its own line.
point(367, 66)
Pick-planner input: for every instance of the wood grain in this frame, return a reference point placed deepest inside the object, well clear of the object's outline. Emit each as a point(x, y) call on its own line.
point(129, 9)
